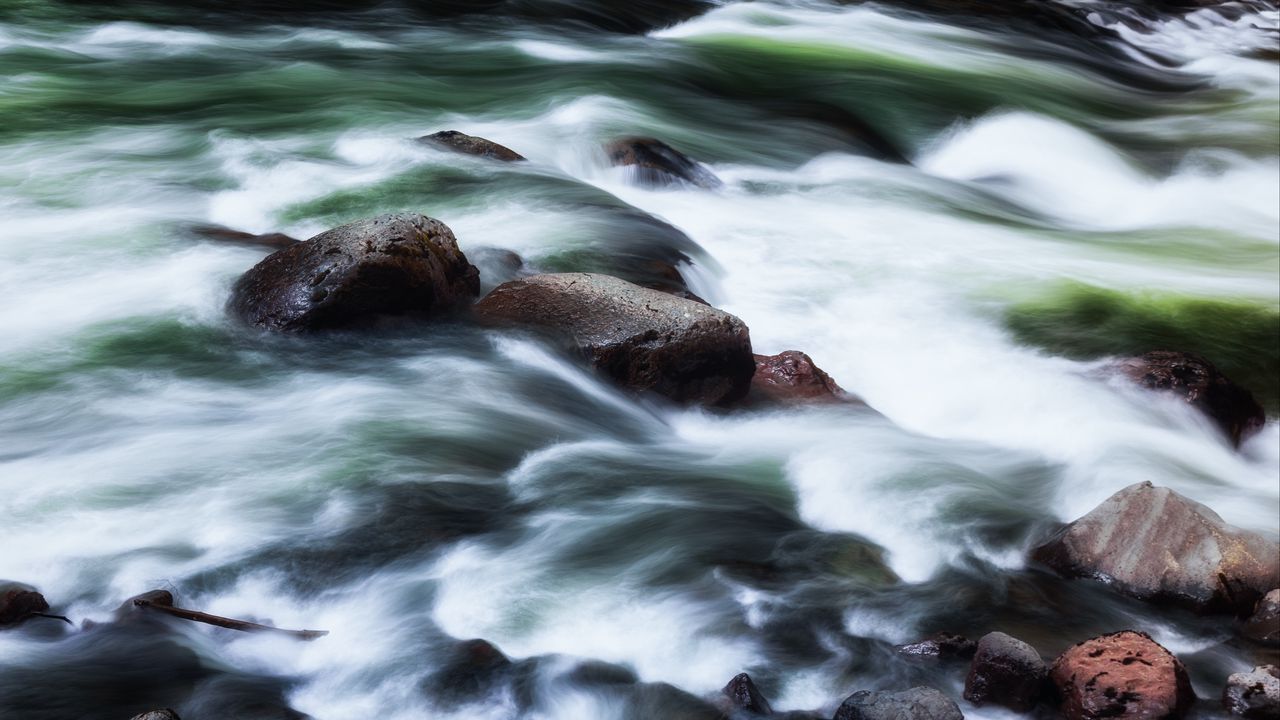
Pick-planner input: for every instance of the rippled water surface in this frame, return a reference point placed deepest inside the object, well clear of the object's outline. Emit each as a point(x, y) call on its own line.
point(1063, 202)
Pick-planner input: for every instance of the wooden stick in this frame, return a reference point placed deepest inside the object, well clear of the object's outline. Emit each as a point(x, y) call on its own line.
point(241, 625)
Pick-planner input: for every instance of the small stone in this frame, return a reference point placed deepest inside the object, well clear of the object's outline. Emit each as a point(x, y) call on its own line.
point(1264, 625)
point(165, 714)
point(744, 694)
point(1254, 695)
point(18, 602)
point(1121, 675)
point(471, 145)
point(1005, 671)
point(918, 703)
point(791, 378)
point(657, 164)
point(944, 646)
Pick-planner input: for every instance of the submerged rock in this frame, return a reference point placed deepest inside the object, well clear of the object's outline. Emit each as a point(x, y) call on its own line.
point(19, 602)
point(471, 669)
point(399, 265)
point(1121, 675)
point(744, 694)
point(944, 646)
point(918, 703)
point(1263, 625)
point(471, 145)
point(1197, 381)
point(1254, 695)
point(278, 241)
point(645, 340)
point(657, 164)
point(1154, 544)
point(791, 378)
point(165, 714)
point(1005, 671)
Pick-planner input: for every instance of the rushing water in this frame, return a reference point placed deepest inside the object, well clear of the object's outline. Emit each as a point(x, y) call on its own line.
point(407, 488)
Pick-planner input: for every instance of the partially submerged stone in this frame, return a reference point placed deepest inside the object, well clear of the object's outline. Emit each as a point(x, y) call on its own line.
point(1263, 626)
point(657, 164)
point(351, 276)
point(19, 602)
point(645, 340)
point(277, 241)
point(918, 703)
point(791, 378)
point(1195, 379)
point(744, 694)
point(1005, 671)
point(1154, 544)
point(1254, 695)
point(943, 646)
point(471, 145)
point(165, 714)
point(1121, 675)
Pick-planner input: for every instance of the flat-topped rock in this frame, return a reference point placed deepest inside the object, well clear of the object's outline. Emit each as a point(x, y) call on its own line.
point(643, 339)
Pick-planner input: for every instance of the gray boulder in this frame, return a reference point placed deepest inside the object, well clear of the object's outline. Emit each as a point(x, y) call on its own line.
point(1154, 544)
point(918, 703)
point(645, 340)
point(1255, 694)
point(1005, 671)
point(394, 265)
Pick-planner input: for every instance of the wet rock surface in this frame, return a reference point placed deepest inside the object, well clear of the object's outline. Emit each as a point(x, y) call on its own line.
point(277, 241)
point(1263, 626)
point(1121, 675)
point(19, 602)
point(1255, 694)
point(744, 694)
point(471, 145)
point(644, 339)
point(1154, 544)
point(393, 265)
point(657, 164)
point(165, 714)
point(1197, 381)
point(943, 646)
point(1005, 671)
point(791, 378)
point(918, 703)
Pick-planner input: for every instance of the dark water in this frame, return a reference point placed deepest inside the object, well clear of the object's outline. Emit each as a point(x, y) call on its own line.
point(1067, 197)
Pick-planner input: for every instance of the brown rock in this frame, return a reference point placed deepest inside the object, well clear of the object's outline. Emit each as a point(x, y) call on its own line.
point(1121, 675)
point(1154, 544)
point(1005, 671)
point(644, 339)
point(791, 378)
point(471, 145)
point(19, 602)
point(657, 164)
point(1254, 695)
point(402, 265)
point(1263, 625)
point(1196, 380)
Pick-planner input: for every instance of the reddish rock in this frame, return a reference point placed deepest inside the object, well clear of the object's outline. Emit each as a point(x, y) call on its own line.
point(18, 602)
point(657, 164)
point(1121, 675)
point(1254, 695)
point(394, 265)
point(1154, 544)
point(791, 378)
point(1197, 381)
point(1005, 671)
point(1263, 625)
point(471, 145)
point(944, 646)
point(645, 340)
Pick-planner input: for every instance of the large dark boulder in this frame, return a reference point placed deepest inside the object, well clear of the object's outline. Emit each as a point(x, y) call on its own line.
point(1005, 671)
point(1263, 626)
point(1196, 380)
point(394, 265)
point(1154, 544)
point(644, 339)
point(1254, 695)
point(1121, 675)
point(791, 378)
point(657, 164)
point(19, 602)
point(471, 145)
point(918, 703)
